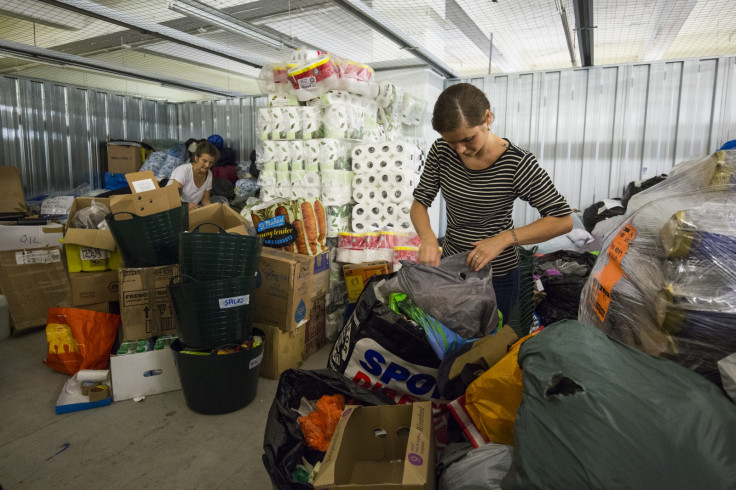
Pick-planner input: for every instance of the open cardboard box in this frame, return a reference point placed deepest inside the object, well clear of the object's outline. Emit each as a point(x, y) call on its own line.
point(86, 237)
point(219, 214)
point(386, 446)
point(147, 197)
point(12, 204)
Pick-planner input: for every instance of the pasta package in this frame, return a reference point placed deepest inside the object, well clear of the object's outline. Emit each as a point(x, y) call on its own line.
point(298, 225)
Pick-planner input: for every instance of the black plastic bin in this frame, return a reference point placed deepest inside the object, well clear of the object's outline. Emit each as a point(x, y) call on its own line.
point(211, 256)
point(211, 313)
point(149, 241)
point(214, 383)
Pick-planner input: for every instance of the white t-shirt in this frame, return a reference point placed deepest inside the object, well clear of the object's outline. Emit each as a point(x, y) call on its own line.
point(189, 191)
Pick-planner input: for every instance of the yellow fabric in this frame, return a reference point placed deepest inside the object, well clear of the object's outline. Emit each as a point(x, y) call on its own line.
point(493, 399)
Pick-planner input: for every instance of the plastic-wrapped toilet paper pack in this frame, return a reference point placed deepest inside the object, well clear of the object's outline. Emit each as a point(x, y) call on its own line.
point(313, 78)
point(311, 120)
point(311, 149)
point(273, 78)
point(305, 184)
point(296, 155)
point(333, 154)
point(335, 121)
point(336, 187)
point(267, 152)
point(279, 122)
point(282, 100)
point(338, 219)
point(412, 110)
point(292, 120)
point(267, 178)
point(264, 126)
point(281, 152)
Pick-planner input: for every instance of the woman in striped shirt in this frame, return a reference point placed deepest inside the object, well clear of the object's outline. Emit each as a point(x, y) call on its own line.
point(480, 175)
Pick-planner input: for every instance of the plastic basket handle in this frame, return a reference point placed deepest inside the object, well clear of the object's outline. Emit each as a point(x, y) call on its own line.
point(112, 215)
point(180, 276)
point(220, 230)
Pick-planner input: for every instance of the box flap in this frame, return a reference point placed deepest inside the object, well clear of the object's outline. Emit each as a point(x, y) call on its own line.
point(11, 191)
point(142, 181)
point(90, 238)
point(147, 203)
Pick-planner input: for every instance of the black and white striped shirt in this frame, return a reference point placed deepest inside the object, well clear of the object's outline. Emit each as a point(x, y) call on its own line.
point(480, 202)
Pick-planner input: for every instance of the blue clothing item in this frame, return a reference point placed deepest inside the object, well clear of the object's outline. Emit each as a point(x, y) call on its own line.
point(506, 288)
point(217, 140)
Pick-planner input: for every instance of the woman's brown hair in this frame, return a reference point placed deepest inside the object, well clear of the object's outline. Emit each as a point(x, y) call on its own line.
point(206, 148)
point(460, 103)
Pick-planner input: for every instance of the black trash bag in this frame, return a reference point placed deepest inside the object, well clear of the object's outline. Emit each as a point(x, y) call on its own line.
point(562, 299)
point(596, 413)
point(283, 441)
point(600, 211)
point(461, 299)
point(224, 188)
point(636, 186)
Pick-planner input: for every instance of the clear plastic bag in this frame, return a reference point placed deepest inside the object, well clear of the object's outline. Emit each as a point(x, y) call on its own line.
point(92, 217)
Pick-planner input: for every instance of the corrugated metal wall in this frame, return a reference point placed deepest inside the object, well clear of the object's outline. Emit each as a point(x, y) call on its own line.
point(596, 129)
point(56, 134)
point(233, 119)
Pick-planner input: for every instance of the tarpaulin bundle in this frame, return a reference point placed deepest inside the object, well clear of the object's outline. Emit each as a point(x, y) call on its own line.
point(596, 413)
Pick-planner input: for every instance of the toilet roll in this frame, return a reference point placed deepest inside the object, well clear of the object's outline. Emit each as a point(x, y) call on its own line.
point(338, 219)
point(310, 122)
point(335, 121)
point(359, 181)
point(292, 122)
point(279, 122)
point(281, 152)
point(336, 187)
point(268, 151)
point(404, 210)
point(398, 194)
point(311, 150)
point(265, 124)
point(296, 155)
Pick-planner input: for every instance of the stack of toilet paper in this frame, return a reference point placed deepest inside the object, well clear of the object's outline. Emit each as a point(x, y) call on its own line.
point(345, 115)
point(289, 123)
point(385, 176)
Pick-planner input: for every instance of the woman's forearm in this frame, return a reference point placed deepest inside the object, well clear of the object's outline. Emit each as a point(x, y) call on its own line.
point(540, 231)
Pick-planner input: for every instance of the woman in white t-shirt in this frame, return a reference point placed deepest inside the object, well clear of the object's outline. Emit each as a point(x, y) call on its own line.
point(194, 180)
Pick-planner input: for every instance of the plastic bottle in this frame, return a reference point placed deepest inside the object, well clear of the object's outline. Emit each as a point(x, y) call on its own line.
point(4, 318)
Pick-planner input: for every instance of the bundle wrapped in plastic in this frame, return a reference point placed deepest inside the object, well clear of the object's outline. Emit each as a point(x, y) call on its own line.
point(718, 168)
point(355, 77)
point(273, 79)
point(666, 283)
point(314, 77)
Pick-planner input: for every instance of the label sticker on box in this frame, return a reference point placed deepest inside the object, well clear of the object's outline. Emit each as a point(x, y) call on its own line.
point(144, 185)
point(27, 257)
point(234, 302)
point(91, 253)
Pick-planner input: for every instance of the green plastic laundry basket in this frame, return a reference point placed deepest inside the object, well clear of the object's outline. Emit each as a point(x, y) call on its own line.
point(210, 313)
point(214, 383)
point(212, 256)
point(149, 241)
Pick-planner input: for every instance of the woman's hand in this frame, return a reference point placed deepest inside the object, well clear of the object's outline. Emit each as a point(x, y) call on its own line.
point(487, 250)
point(193, 205)
point(429, 253)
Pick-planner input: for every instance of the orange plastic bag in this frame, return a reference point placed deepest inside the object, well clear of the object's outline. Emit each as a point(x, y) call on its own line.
point(493, 399)
point(79, 339)
point(319, 426)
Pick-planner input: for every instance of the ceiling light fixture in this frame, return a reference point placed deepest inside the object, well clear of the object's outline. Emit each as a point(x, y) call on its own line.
point(213, 16)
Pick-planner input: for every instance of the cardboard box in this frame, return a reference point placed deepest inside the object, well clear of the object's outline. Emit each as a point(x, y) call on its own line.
point(220, 214)
point(361, 457)
point(147, 197)
point(281, 350)
point(143, 374)
point(17, 237)
point(101, 307)
point(356, 275)
point(146, 315)
point(314, 333)
point(321, 275)
point(11, 191)
point(101, 239)
point(33, 281)
point(94, 287)
point(124, 159)
point(284, 289)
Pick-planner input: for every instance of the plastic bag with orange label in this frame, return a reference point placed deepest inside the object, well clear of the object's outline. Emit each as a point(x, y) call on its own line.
point(318, 426)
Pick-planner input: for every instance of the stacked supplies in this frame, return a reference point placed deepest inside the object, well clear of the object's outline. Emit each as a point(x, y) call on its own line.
point(385, 175)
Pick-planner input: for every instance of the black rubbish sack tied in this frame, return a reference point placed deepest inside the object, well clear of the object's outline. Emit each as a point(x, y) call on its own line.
point(283, 442)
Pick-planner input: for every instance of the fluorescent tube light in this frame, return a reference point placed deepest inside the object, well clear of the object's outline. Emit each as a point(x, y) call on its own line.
point(215, 17)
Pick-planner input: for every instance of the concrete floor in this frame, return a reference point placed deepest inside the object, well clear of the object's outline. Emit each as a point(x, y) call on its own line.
point(155, 443)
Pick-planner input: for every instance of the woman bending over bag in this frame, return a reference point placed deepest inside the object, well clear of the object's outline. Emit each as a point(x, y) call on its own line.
point(481, 175)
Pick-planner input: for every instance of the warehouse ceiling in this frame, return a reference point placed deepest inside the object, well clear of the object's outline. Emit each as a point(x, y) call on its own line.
point(184, 50)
